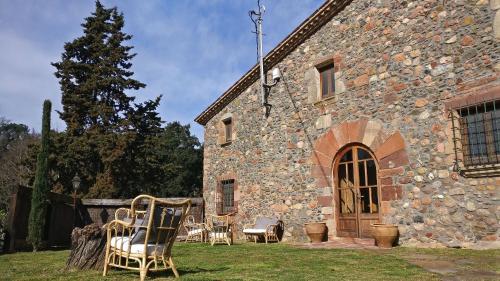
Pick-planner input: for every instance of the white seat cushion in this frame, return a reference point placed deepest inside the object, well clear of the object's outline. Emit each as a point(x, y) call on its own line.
point(122, 244)
point(195, 231)
point(218, 234)
point(254, 231)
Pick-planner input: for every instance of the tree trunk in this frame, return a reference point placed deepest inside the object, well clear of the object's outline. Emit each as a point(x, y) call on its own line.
point(88, 247)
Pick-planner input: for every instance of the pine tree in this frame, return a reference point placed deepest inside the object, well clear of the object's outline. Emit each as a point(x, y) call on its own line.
point(41, 185)
point(101, 119)
point(94, 74)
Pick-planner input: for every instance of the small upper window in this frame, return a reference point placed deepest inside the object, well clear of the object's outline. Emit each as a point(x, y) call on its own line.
point(480, 133)
point(228, 129)
point(327, 80)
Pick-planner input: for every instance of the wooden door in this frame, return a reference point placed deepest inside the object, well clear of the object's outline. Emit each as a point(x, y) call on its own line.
point(357, 193)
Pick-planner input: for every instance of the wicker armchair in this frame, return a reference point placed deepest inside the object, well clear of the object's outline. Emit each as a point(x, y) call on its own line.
point(219, 229)
point(196, 232)
point(265, 227)
point(142, 240)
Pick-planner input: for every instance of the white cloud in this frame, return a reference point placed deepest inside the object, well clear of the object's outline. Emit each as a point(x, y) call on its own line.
point(190, 51)
point(26, 80)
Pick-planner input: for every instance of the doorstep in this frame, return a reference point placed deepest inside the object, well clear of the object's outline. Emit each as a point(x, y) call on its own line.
point(342, 243)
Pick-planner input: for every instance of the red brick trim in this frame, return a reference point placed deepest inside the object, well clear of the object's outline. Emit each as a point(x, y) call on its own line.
point(389, 151)
point(324, 61)
point(474, 96)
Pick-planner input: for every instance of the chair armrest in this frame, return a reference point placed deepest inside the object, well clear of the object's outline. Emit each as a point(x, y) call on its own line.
point(119, 228)
point(121, 213)
point(115, 223)
point(195, 226)
point(248, 225)
point(201, 225)
point(271, 228)
point(220, 228)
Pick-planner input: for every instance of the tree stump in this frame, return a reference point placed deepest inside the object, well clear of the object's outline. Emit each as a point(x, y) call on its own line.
point(88, 247)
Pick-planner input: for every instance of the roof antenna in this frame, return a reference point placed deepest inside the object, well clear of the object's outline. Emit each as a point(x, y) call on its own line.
point(256, 17)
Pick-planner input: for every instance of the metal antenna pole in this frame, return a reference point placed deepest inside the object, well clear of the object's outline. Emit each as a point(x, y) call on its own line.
point(261, 58)
point(264, 87)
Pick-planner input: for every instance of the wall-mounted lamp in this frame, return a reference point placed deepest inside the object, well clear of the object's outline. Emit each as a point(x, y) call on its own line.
point(267, 87)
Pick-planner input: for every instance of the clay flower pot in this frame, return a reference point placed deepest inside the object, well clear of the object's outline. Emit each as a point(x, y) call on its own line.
point(316, 231)
point(384, 234)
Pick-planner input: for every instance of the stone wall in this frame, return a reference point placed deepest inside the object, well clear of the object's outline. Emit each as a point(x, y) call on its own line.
point(397, 64)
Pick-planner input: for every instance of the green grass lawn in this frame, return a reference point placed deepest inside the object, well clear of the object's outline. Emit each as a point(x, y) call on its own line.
point(252, 262)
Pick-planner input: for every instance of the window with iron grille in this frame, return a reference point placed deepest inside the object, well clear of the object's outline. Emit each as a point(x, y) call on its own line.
point(227, 196)
point(479, 127)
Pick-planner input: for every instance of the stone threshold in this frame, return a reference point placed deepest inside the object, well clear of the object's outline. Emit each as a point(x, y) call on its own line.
point(341, 243)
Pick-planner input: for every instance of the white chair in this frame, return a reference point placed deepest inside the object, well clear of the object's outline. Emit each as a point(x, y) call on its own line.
point(143, 240)
point(219, 229)
point(265, 227)
point(196, 232)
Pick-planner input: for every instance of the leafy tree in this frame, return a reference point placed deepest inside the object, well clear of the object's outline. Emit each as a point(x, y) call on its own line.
point(183, 157)
point(10, 132)
point(15, 144)
point(41, 185)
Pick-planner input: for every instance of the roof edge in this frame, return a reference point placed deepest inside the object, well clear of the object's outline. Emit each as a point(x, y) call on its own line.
point(309, 26)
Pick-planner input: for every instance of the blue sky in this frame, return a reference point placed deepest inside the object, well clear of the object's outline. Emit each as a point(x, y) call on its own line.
point(190, 51)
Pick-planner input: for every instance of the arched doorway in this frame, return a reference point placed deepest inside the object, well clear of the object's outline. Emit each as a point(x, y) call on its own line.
point(357, 193)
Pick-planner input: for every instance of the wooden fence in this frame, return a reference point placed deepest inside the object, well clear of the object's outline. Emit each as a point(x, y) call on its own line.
point(62, 217)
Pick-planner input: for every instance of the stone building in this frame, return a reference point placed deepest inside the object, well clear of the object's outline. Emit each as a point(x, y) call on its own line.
point(387, 111)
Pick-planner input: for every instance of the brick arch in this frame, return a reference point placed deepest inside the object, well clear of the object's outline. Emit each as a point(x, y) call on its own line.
point(389, 150)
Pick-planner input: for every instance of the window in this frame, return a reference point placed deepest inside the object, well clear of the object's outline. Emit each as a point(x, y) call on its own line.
point(479, 127)
point(227, 196)
point(327, 80)
point(228, 129)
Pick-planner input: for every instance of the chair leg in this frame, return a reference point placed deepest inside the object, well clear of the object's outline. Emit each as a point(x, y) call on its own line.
point(143, 268)
point(106, 260)
point(265, 237)
point(105, 271)
point(172, 265)
point(143, 272)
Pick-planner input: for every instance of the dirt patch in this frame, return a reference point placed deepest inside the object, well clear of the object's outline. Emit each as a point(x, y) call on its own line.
point(441, 267)
point(463, 269)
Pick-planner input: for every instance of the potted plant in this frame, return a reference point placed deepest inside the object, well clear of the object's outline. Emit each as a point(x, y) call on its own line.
point(316, 231)
point(385, 234)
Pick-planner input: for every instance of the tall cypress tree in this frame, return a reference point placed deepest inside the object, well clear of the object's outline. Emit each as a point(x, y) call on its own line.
point(41, 186)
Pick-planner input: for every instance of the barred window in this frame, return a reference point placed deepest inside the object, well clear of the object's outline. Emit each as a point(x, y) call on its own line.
point(479, 127)
point(227, 196)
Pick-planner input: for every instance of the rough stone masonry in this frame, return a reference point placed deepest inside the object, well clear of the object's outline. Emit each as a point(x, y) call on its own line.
point(400, 66)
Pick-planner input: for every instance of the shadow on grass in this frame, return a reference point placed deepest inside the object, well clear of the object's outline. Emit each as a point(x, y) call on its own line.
point(186, 272)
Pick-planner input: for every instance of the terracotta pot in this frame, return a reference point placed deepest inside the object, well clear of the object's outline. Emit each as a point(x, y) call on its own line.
point(384, 234)
point(316, 231)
